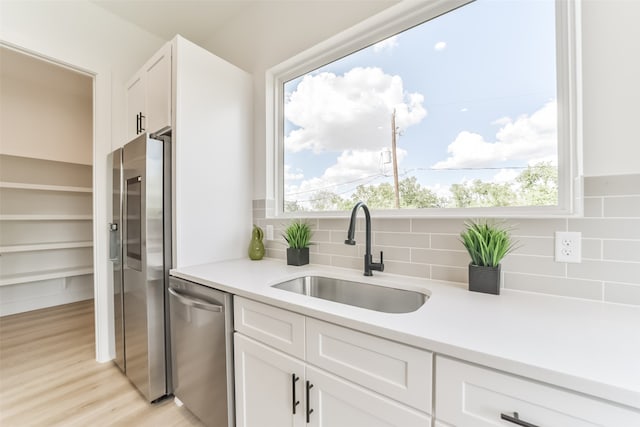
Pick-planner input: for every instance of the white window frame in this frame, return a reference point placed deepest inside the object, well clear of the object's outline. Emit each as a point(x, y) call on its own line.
point(396, 19)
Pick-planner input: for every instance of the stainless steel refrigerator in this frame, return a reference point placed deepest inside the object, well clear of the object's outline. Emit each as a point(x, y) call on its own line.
point(140, 251)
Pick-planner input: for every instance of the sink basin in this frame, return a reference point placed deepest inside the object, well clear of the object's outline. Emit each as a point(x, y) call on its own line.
point(372, 297)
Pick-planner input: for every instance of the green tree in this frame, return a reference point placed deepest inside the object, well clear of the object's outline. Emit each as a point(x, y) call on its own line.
point(379, 196)
point(462, 197)
point(292, 206)
point(539, 185)
point(413, 195)
point(325, 200)
point(482, 194)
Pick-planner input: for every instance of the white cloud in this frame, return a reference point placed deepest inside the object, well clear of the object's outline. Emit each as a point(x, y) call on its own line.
point(292, 176)
point(440, 46)
point(349, 112)
point(352, 168)
point(529, 138)
point(386, 44)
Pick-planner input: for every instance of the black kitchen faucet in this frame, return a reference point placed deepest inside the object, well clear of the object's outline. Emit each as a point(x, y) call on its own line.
point(368, 259)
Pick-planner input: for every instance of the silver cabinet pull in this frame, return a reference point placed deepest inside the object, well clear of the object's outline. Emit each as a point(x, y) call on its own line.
point(191, 302)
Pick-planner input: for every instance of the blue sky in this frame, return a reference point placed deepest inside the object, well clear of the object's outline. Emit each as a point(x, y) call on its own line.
point(484, 69)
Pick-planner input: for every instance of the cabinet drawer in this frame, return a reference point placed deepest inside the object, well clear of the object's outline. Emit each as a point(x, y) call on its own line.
point(278, 328)
point(471, 396)
point(401, 372)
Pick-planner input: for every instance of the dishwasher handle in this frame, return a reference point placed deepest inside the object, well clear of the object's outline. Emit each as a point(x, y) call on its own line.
point(196, 303)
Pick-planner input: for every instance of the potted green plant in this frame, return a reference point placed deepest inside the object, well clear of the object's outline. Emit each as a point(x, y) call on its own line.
point(298, 236)
point(487, 244)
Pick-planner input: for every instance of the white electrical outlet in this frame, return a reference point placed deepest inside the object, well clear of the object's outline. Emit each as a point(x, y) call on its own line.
point(568, 246)
point(269, 232)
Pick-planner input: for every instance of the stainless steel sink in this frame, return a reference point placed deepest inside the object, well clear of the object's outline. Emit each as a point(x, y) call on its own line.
point(372, 297)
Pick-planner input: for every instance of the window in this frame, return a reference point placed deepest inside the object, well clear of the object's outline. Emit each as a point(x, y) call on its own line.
point(462, 108)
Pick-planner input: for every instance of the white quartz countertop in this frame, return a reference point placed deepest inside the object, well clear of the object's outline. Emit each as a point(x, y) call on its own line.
point(589, 347)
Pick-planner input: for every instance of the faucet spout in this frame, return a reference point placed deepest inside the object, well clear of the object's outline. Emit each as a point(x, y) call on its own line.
point(369, 265)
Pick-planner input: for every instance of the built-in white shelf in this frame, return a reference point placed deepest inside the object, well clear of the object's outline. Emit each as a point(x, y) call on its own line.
point(23, 186)
point(14, 279)
point(45, 217)
point(44, 246)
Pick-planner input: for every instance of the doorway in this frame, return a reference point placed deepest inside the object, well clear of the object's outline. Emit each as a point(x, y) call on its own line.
point(46, 183)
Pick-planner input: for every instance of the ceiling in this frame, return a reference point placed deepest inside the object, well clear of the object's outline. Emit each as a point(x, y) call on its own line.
point(195, 20)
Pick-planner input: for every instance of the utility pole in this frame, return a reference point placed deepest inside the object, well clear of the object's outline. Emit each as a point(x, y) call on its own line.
point(395, 158)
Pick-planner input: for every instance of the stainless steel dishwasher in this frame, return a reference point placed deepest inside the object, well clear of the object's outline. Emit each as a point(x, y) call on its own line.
point(202, 351)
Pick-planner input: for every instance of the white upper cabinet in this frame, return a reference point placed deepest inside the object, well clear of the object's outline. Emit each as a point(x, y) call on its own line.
point(207, 102)
point(158, 90)
point(149, 95)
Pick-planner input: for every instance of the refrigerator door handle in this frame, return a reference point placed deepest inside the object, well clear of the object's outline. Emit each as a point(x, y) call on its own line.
point(196, 303)
point(113, 242)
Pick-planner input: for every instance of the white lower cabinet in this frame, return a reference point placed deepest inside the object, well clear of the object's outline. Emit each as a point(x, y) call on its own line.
point(267, 381)
point(293, 370)
point(276, 389)
point(335, 402)
point(472, 396)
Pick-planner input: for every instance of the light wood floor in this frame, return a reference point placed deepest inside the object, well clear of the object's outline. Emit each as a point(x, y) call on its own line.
point(49, 376)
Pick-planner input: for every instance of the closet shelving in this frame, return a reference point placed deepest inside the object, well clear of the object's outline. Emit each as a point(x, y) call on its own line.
point(45, 220)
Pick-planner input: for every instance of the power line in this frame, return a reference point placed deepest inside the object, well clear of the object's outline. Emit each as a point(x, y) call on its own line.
point(335, 185)
point(339, 193)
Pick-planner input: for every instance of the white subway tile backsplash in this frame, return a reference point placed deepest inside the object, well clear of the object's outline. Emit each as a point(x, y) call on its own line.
point(333, 224)
point(622, 250)
point(591, 249)
point(439, 257)
point(544, 265)
point(593, 207)
point(429, 248)
point(321, 236)
point(347, 262)
point(450, 274)
point(338, 249)
point(406, 269)
point(622, 293)
point(396, 225)
point(437, 225)
point(612, 185)
point(391, 253)
point(446, 241)
point(317, 258)
point(534, 246)
point(622, 207)
point(615, 271)
point(589, 289)
point(523, 227)
point(603, 228)
point(411, 240)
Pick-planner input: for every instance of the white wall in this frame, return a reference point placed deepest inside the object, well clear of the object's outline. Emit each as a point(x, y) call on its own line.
point(86, 37)
point(46, 110)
